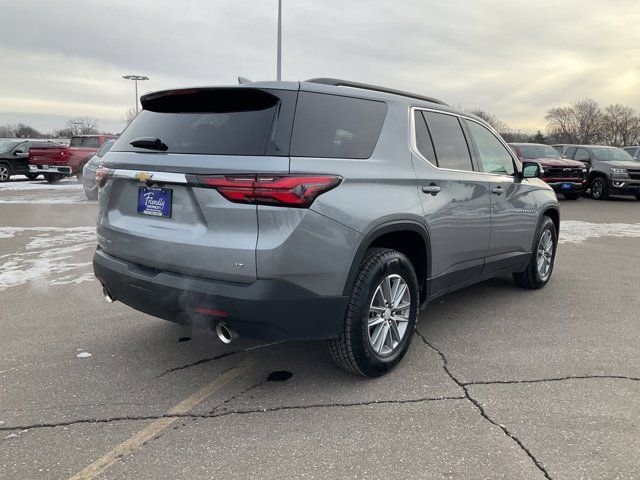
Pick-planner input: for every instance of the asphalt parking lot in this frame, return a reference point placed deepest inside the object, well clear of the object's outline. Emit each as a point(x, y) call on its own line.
point(499, 382)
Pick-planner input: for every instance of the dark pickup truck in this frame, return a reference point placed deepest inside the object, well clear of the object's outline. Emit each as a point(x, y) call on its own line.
point(57, 163)
point(612, 171)
point(14, 157)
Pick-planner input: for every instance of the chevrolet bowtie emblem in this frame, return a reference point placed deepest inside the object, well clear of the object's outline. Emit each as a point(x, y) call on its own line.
point(144, 176)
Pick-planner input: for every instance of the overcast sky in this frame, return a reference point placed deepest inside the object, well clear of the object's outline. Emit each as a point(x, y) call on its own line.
point(513, 58)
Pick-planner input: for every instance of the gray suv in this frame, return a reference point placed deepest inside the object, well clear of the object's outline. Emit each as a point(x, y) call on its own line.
point(314, 210)
point(611, 170)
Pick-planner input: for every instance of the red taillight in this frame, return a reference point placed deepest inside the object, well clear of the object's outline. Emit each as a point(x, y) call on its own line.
point(101, 176)
point(211, 311)
point(64, 153)
point(293, 191)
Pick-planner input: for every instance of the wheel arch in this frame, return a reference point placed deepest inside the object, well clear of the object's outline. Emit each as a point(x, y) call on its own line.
point(553, 213)
point(595, 174)
point(408, 237)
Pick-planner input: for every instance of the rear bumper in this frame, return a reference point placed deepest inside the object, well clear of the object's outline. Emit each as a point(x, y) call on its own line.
point(65, 170)
point(265, 309)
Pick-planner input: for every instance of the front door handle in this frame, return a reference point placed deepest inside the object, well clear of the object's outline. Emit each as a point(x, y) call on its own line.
point(433, 189)
point(498, 190)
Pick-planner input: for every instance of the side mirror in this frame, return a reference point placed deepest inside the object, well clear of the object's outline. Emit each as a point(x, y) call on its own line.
point(532, 170)
point(585, 159)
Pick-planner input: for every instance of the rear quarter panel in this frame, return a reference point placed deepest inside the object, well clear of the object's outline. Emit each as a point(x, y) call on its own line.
point(374, 192)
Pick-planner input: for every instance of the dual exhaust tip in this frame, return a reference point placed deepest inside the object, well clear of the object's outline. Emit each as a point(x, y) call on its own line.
point(107, 295)
point(225, 333)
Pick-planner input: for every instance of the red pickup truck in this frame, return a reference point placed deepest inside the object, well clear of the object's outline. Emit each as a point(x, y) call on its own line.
point(55, 163)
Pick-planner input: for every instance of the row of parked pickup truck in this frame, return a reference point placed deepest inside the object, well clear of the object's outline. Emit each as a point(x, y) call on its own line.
point(51, 159)
point(573, 169)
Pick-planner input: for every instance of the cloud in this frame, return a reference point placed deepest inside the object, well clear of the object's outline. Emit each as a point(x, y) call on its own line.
point(515, 59)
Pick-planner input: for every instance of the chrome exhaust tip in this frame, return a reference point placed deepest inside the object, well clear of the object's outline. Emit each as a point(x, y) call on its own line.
point(107, 296)
point(225, 334)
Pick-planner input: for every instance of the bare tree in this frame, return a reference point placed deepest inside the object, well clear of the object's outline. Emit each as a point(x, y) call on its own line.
point(129, 115)
point(82, 126)
point(620, 125)
point(579, 123)
point(19, 130)
point(498, 125)
point(516, 136)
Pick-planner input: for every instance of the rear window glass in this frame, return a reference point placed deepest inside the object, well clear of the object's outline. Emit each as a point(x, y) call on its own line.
point(89, 142)
point(219, 121)
point(336, 127)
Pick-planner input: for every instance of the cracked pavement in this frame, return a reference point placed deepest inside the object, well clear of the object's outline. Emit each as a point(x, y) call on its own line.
point(499, 382)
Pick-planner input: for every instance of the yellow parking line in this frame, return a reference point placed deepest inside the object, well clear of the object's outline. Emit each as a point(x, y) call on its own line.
point(150, 431)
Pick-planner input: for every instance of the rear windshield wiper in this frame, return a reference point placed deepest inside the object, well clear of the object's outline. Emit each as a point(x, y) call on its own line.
point(150, 143)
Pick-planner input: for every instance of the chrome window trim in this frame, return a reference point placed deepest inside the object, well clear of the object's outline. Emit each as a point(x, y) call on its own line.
point(413, 145)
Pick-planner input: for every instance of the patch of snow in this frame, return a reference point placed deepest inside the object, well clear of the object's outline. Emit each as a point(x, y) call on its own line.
point(83, 355)
point(72, 197)
point(574, 231)
point(50, 256)
point(70, 184)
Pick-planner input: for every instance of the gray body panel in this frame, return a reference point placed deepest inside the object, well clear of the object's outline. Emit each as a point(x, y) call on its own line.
point(470, 233)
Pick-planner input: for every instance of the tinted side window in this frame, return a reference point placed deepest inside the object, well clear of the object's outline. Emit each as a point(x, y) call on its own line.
point(423, 138)
point(24, 147)
point(336, 127)
point(569, 152)
point(582, 154)
point(106, 146)
point(493, 155)
point(449, 143)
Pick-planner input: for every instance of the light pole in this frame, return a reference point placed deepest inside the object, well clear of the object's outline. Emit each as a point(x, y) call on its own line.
point(135, 78)
point(279, 68)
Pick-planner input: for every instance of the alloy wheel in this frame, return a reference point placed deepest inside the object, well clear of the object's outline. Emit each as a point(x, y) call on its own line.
point(4, 173)
point(388, 316)
point(545, 255)
point(596, 189)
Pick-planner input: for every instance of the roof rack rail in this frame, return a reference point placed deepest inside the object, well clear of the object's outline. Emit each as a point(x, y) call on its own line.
point(336, 82)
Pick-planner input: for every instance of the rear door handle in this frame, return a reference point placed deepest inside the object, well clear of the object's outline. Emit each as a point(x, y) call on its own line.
point(433, 189)
point(498, 190)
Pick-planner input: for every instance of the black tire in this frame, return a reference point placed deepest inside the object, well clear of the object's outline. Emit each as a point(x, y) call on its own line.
point(637, 196)
point(531, 277)
point(571, 196)
point(352, 349)
point(5, 172)
point(53, 177)
point(91, 194)
point(599, 188)
point(31, 176)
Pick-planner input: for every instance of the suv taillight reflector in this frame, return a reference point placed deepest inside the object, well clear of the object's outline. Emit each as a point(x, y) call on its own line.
point(285, 191)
